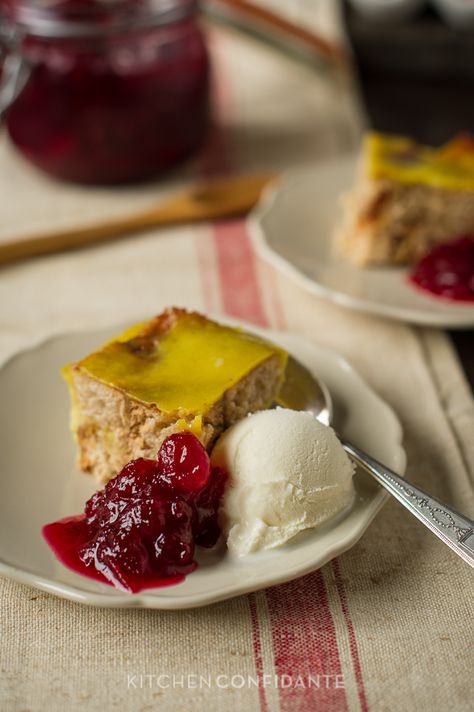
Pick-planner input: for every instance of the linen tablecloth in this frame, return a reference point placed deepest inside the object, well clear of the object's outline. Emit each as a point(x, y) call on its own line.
point(387, 625)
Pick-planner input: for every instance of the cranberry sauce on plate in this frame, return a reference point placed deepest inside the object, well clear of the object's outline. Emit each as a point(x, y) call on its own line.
point(141, 530)
point(448, 270)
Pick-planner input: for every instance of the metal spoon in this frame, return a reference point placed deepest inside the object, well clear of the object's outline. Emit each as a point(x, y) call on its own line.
point(302, 391)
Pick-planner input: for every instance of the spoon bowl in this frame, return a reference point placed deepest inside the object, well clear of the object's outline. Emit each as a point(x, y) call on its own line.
point(302, 391)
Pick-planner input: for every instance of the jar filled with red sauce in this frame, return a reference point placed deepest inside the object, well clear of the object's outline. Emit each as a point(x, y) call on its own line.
point(108, 91)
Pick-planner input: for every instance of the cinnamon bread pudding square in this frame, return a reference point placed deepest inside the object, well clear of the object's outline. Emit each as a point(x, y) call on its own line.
point(177, 371)
point(406, 199)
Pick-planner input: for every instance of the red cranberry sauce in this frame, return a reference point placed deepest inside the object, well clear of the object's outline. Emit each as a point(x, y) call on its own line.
point(448, 270)
point(115, 108)
point(140, 531)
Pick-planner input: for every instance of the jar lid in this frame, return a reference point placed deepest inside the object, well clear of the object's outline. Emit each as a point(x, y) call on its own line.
point(78, 18)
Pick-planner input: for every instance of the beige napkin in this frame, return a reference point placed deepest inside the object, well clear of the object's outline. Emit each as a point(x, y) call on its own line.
point(388, 625)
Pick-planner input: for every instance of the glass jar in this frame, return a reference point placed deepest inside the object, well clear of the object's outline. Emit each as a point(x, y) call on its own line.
point(113, 91)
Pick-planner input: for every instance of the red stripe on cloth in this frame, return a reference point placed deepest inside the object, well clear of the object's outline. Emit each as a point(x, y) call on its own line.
point(352, 637)
point(257, 651)
point(303, 632)
point(305, 646)
point(240, 293)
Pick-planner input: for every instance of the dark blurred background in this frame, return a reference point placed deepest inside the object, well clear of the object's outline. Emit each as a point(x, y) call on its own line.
point(416, 76)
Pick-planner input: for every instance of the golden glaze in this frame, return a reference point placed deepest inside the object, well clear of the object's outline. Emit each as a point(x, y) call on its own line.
point(400, 159)
point(184, 366)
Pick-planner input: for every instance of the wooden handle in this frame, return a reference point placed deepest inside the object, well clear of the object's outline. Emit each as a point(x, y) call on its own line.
point(225, 197)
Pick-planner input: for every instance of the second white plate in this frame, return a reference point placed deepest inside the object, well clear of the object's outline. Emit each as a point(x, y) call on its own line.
point(292, 230)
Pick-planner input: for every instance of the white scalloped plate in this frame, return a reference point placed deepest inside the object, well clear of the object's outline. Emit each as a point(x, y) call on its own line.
point(292, 229)
point(39, 483)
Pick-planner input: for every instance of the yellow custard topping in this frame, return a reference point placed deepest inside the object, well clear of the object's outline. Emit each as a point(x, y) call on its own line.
point(185, 365)
point(401, 159)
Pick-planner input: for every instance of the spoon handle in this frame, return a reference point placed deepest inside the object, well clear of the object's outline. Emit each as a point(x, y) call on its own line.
point(216, 199)
point(452, 528)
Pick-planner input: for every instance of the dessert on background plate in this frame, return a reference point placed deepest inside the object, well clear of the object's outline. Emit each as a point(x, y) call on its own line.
point(306, 205)
point(177, 371)
point(406, 199)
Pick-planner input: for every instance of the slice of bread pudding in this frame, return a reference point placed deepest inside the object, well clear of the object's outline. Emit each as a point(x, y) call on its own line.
point(406, 199)
point(177, 371)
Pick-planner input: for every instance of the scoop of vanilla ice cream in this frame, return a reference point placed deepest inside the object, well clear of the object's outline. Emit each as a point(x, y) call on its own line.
point(287, 471)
